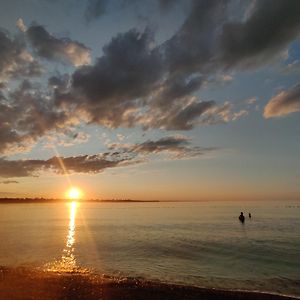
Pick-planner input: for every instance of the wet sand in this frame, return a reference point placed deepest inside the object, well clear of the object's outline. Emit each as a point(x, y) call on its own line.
point(24, 283)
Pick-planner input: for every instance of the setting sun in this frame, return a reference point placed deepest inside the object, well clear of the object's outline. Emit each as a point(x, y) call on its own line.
point(74, 193)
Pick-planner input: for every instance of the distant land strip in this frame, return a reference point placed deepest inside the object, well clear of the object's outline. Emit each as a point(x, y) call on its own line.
point(47, 200)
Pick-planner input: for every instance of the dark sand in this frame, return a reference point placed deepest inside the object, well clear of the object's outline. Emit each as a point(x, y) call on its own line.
point(23, 283)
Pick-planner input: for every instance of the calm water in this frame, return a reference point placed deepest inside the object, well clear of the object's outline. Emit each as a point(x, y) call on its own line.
point(199, 244)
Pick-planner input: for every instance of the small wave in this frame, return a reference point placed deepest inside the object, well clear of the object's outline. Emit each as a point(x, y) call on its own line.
point(64, 266)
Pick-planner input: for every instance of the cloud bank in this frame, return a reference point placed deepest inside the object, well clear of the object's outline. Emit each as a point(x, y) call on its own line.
point(137, 82)
point(176, 147)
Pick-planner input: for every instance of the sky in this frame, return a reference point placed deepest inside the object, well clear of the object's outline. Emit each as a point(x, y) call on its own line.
point(151, 100)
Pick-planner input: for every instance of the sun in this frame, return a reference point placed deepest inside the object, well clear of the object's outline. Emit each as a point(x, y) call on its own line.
point(74, 193)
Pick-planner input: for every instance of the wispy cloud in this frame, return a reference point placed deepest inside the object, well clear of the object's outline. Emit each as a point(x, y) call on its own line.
point(9, 182)
point(175, 146)
point(284, 103)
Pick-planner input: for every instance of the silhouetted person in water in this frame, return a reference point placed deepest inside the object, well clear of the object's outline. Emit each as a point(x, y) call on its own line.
point(241, 217)
point(249, 215)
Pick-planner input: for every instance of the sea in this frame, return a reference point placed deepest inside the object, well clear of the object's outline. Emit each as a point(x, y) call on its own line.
point(190, 243)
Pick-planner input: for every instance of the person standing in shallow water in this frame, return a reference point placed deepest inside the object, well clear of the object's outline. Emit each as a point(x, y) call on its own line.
point(241, 217)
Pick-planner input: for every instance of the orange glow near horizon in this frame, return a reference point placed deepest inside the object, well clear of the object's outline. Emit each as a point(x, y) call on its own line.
point(74, 193)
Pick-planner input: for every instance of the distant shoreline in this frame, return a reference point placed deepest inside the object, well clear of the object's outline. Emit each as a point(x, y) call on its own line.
point(44, 200)
point(5, 200)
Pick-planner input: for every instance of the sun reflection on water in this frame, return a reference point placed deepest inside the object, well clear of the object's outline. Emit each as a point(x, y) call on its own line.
point(67, 263)
point(68, 258)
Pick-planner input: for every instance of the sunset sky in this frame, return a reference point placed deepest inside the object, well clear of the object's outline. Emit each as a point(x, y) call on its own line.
point(150, 99)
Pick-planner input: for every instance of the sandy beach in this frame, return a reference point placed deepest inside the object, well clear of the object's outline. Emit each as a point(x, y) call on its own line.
point(24, 283)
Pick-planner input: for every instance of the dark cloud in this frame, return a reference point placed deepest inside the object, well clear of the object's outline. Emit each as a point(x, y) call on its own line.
point(59, 83)
point(209, 40)
point(85, 163)
point(271, 26)
point(77, 164)
point(180, 115)
point(111, 89)
point(15, 60)
point(174, 88)
point(27, 114)
point(19, 168)
point(134, 83)
point(184, 118)
point(127, 70)
point(176, 146)
point(139, 83)
point(10, 139)
point(283, 103)
point(163, 144)
point(60, 49)
point(130, 85)
point(193, 47)
point(119, 155)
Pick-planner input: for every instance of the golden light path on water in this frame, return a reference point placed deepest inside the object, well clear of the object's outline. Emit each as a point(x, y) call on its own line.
point(68, 257)
point(67, 263)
